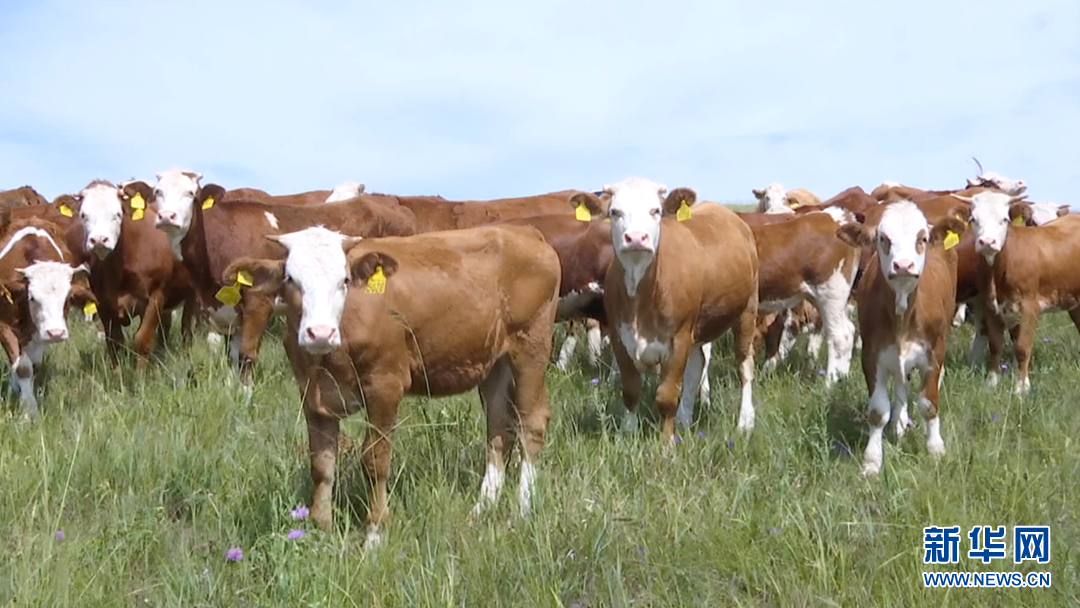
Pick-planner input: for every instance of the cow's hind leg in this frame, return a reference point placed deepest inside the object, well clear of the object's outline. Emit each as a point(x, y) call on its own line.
point(744, 354)
point(496, 396)
point(692, 381)
point(527, 360)
point(569, 345)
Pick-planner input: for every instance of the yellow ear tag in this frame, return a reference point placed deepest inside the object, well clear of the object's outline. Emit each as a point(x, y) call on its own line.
point(376, 283)
point(229, 296)
point(89, 308)
point(607, 220)
point(65, 211)
point(1018, 220)
point(961, 218)
point(244, 278)
point(683, 213)
point(582, 213)
point(137, 214)
point(951, 240)
point(137, 202)
point(7, 294)
point(209, 202)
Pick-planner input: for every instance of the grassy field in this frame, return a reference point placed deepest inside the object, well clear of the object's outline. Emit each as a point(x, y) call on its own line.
point(152, 479)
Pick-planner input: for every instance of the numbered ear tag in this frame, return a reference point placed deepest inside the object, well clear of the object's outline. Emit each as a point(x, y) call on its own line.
point(376, 283)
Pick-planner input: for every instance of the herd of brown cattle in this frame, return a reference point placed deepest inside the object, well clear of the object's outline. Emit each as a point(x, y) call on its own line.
point(388, 295)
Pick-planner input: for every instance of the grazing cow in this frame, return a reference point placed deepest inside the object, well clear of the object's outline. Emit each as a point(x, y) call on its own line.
point(667, 299)
point(36, 284)
point(207, 237)
point(132, 270)
point(1025, 271)
point(1044, 213)
point(21, 197)
point(585, 253)
point(905, 303)
point(804, 260)
point(433, 314)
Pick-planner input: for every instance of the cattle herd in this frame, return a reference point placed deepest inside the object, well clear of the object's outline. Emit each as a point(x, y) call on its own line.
point(389, 295)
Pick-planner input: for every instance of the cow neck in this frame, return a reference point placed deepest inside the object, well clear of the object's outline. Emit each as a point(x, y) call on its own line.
point(195, 255)
point(636, 276)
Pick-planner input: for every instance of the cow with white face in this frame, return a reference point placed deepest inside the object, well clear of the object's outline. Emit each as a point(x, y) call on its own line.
point(37, 288)
point(344, 191)
point(905, 328)
point(102, 213)
point(175, 192)
point(991, 215)
point(1012, 187)
point(1044, 213)
point(773, 199)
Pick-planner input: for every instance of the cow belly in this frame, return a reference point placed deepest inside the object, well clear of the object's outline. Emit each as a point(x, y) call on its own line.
point(576, 300)
point(646, 352)
point(913, 355)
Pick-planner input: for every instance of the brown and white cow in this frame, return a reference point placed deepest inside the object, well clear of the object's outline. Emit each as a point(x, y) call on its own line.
point(905, 304)
point(667, 299)
point(208, 236)
point(773, 199)
point(1025, 271)
point(132, 270)
point(432, 315)
point(36, 287)
point(343, 191)
point(436, 213)
point(854, 199)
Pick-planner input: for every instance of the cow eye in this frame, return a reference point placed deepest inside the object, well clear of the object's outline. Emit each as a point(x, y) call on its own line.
point(615, 212)
point(655, 211)
point(158, 194)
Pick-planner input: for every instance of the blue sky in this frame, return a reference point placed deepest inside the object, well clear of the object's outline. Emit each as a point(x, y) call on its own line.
point(481, 99)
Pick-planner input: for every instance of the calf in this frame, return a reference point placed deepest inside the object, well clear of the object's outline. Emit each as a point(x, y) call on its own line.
point(132, 270)
point(1024, 272)
point(667, 299)
point(207, 237)
point(905, 303)
point(804, 260)
point(36, 284)
point(432, 315)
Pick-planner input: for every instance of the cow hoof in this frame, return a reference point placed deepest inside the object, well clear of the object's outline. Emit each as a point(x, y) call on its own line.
point(746, 427)
point(871, 469)
point(992, 379)
point(936, 448)
point(372, 540)
point(630, 423)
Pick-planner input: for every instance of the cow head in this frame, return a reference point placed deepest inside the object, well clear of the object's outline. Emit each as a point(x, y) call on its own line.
point(345, 191)
point(901, 239)
point(990, 216)
point(101, 211)
point(1012, 187)
point(773, 199)
point(177, 193)
point(315, 273)
point(47, 288)
point(1042, 213)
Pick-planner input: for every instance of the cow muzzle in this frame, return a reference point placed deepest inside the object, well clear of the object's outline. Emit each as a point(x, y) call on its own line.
point(56, 334)
point(167, 220)
point(320, 339)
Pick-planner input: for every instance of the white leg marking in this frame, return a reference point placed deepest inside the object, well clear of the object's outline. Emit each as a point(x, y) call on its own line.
point(372, 540)
point(900, 415)
point(961, 314)
point(878, 408)
point(934, 443)
point(691, 383)
point(1023, 386)
point(528, 478)
point(831, 301)
point(22, 376)
point(489, 489)
point(706, 390)
point(992, 379)
point(813, 344)
point(594, 340)
point(212, 337)
point(567, 350)
point(746, 407)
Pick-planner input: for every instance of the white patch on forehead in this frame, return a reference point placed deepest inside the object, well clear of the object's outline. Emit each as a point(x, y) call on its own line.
point(102, 215)
point(635, 210)
point(317, 264)
point(175, 194)
point(271, 219)
point(48, 279)
point(25, 232)
point(897, 247)
point(345, 191)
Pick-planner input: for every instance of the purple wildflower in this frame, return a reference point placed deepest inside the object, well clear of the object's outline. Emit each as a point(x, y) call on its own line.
point(910, 423)
point(701, 433)
point(1004, 366)
point(1046, 339)
point(677, 438)
point(300, 512)
point(730, 444)
point(639, 550)
point(295, 534)
point(234, 554)
point(59, 534)
point(821, 372)
point(774, 530)
point(757, 403)
point(993, 417)
point(595, 382)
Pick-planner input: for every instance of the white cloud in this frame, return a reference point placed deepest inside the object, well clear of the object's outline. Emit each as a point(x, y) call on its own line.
point(483, 99)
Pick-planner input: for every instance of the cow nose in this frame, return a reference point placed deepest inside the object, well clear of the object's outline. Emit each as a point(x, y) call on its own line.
point(56, 335)
point(636, 239)
point(987, 242)
point(907, 266)
point(99, 240)
point(321, 333)
point(166, 216)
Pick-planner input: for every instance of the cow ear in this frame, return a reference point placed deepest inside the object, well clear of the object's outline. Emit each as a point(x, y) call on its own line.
point(677, 197)
point(759, 193)
point(1020, 210)
point(266, 275)
point(349, 242)
point(209, 195)
point(67, 205)
point(944, 226)
point(962, 213)
point(363, 267)
point(80, 295)
point(856, 235)
point(139, 187)
point(596, 205)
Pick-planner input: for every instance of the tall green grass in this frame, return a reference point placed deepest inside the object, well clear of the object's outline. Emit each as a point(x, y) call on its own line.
point(153, 477)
